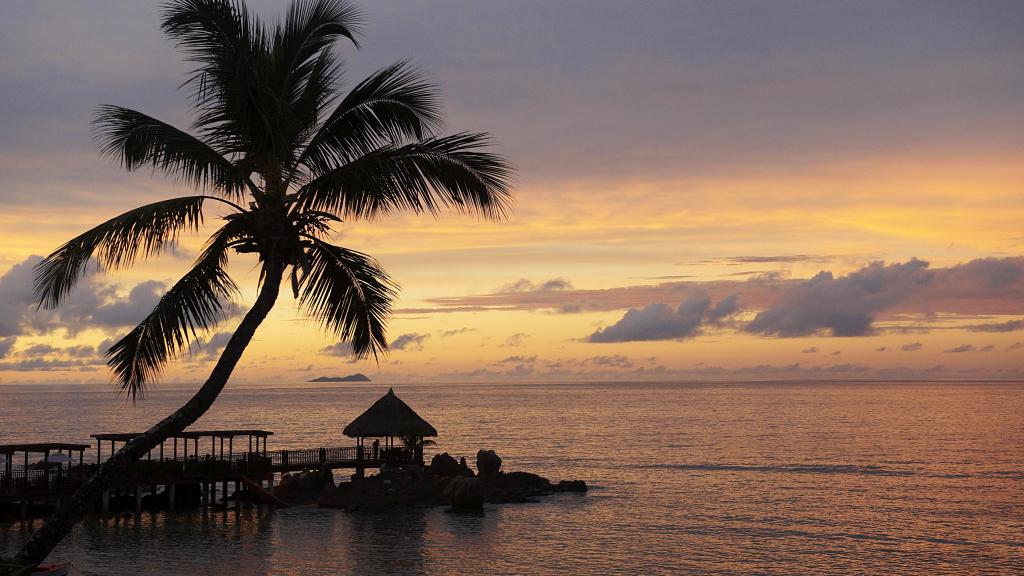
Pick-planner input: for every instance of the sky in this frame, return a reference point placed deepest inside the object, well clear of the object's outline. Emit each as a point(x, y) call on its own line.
point(704, 191)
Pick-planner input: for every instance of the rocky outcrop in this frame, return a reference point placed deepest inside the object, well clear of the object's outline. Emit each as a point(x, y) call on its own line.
point(488, 463)
point(393, 488)
point(444, 482)
point(303, 487)
point(571, 486)
point(444, 465)
point(517, 487)
point(465, 493)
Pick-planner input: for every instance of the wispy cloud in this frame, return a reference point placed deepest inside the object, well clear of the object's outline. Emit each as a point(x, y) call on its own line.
point(409, 341)
point(524, 285)
point(337, 349)
point(1008, 326)
point(516, 340)
point(961, 349)
point(518, 359)
point(776, 259)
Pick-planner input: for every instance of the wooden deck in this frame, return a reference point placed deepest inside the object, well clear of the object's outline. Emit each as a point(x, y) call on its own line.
point(20, 484)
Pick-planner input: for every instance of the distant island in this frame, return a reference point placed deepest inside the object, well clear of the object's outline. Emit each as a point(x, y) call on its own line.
point(349, 378)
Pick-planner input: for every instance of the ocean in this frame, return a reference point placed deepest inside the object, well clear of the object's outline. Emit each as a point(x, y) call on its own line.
point(686, 478)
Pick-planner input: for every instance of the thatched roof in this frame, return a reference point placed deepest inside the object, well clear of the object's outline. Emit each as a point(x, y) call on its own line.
point(389, 416)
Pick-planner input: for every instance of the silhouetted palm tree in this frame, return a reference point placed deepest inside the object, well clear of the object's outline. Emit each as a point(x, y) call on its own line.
point(272, 145)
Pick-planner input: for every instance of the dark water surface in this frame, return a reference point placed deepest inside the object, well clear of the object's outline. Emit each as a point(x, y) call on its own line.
point(767, 478)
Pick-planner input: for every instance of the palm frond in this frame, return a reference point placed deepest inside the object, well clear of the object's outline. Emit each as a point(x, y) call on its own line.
point(218, 35)
point(137, 140)
point(391, 106)
point(307, 106)
point(230, 49)
point(194, 305)
point(349, 294)
point(424, 176)
point(309, 30)
point(115, 244)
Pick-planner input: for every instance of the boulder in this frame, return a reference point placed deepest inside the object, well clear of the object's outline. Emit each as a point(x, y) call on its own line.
point(465, 493)
point(571, 486)
point(516, 487)
point(303, 487)
point(488, 463)
point(527, 480)
point(464, 469)
point(401, 488)
point(444, 465)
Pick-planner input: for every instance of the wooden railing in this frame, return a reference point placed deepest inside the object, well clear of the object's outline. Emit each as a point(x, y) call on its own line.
point(346, 454)
point(42, 480)
point(159, 471)
point(64, 479)
point(57, 480)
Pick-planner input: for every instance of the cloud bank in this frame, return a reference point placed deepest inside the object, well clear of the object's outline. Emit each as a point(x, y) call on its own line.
point(662, 322)
point(91, 304)
point(845, 306)
point(826, 304)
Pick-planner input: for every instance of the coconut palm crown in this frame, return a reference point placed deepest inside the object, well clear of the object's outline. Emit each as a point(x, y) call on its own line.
point(286, 157)
point(273, 143)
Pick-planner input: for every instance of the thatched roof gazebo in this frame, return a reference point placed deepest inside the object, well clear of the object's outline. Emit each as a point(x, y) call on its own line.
point(389, 418)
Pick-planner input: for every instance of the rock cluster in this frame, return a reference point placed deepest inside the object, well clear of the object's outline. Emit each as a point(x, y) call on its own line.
point(465, 493)
point(392, 488)
point(304, 487)
point(445, 481)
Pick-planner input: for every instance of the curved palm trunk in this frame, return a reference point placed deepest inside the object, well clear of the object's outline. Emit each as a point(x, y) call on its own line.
point(58, 525)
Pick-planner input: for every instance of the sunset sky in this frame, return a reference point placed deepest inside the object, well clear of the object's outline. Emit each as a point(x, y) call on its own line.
point(704, 190)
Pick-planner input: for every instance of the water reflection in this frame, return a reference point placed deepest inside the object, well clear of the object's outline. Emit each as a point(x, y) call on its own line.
point(390, 543)
point(728, 479)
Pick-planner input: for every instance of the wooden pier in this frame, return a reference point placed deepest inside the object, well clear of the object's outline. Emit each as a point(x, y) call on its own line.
point(191, 466)
point(204, 460)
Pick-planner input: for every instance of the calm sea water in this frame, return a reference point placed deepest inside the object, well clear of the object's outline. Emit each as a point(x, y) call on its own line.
point(767, 478)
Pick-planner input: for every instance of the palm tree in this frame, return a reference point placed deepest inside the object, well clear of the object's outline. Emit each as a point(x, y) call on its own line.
point(415, 444)
point(287, 158)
